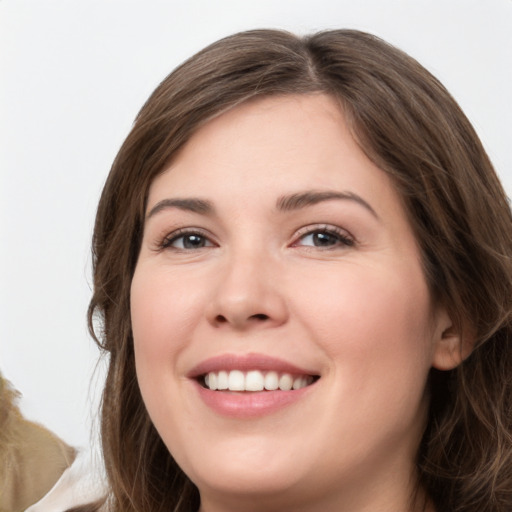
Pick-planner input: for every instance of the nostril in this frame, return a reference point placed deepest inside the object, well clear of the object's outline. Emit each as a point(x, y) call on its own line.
point(240, 321)
point(260, 316)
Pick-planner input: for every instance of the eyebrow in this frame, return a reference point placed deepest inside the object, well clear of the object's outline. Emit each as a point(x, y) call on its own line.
point(195, 205)
point(308, 198)
point(286, 203)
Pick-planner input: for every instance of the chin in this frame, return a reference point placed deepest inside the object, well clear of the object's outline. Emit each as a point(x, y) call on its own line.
point(253, 489)
point(251, 482)
point(247, 470)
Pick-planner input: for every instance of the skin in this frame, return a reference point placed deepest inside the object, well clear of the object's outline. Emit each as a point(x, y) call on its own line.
point(352, 307)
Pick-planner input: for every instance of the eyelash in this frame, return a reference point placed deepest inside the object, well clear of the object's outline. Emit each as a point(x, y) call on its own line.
point(182, 233)
point(341, 238)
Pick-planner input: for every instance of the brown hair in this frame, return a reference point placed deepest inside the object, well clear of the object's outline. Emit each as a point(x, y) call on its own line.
point(410, 126)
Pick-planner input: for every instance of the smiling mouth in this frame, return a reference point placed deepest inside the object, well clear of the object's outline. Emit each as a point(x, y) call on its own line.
point(254, 381)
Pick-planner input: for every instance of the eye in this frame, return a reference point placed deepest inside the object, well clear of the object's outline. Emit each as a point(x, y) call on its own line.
point(186, 240)
point(325, 237)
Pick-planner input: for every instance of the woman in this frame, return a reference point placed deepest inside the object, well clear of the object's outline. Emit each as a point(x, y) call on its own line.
point(303, 273)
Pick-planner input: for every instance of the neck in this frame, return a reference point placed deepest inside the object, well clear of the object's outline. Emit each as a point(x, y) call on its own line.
point(369, 499)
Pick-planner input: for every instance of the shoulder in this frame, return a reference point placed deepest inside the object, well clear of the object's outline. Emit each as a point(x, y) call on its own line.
point(81, 487)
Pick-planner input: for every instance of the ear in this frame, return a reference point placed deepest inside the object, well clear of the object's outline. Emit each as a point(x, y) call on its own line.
point(451, 347)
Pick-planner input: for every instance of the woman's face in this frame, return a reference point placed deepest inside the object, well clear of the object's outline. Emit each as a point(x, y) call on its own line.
point(276, 254)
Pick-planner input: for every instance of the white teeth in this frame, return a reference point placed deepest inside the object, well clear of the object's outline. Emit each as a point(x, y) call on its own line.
point(301, 382)
point(222, 380)
point(285, 382)
point(255, 380)
point(236, 381)
point(212, 381)
point(271, 381)
point(297, 383)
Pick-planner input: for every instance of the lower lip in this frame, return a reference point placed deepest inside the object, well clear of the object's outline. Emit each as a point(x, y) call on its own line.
point(249, 404)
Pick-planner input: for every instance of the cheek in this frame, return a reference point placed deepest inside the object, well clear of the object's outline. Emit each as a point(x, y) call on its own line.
point(163, 312)
point(372, 320)
point(374, 327)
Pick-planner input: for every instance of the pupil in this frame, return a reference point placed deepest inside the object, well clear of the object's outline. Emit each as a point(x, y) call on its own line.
point(323, 239)
point(193, 241)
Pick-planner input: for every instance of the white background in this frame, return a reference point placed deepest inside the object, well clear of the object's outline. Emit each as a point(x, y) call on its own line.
point(73, 74)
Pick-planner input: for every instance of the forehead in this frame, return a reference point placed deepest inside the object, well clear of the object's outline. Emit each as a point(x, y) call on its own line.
point(269, 146)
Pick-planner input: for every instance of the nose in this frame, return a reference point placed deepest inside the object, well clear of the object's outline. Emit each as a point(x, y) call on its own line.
point(248, 294)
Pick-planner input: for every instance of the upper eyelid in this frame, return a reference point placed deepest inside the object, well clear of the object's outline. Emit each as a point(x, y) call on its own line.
point(189, 231)
point(346, 239)
point(165, 240)
point(169, 236)
point(323, 227)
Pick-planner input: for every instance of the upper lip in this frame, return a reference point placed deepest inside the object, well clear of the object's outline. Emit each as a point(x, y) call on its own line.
point(246, 362)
